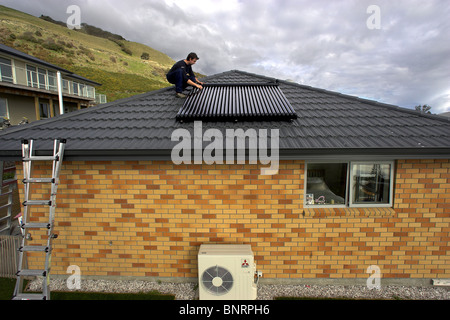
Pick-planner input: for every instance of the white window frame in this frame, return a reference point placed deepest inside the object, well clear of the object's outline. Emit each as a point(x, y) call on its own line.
point(391, 185)
point(3, 77)
point(345, 205)
point(350, 185)
point(29, 74)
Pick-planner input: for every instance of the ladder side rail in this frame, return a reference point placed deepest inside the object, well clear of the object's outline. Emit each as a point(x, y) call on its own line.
point(55, 154)
point(59, 157)
point(28, 158)
point(9, 193)
point(57, 163)
point(26, 167)
point(8, 207)
point(1, 177)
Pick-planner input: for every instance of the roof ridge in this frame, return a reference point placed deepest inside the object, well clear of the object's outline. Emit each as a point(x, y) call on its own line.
point(217, 75)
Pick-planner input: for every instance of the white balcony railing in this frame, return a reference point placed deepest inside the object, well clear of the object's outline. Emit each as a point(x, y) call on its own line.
point(35, 77)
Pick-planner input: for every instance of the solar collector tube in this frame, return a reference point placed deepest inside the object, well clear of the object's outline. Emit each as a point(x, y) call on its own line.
point(286, 105)
point(214, 109)
point(264, 101)
point(233, 104)
point(221, 106)
point(253, 101)
point(189, 104)
point(205, 102)
point(226, 108)
point(240, 101)
point(278, 105)
point(217, 101)
point(272, 107)
point(250, 102)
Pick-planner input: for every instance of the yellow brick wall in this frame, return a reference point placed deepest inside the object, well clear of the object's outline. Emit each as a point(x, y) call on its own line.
point(148, 218)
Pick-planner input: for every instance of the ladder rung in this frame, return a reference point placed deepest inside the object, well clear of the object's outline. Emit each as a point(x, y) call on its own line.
point(37, 203)
point(5, 218)
point(41, 158)
point(39, 180)
point(34, 248)
point(5, 206)
point(34, 225)
point(30, 296)
point(6, 193)
point(9, 181)
point(31, 272)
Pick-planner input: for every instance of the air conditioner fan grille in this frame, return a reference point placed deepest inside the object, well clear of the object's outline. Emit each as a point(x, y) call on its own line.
point(217, 280)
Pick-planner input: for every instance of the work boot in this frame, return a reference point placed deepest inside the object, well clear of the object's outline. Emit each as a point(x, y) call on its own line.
point(181, 95)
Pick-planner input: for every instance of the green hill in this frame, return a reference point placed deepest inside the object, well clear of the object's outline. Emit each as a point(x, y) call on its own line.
point(124, 68)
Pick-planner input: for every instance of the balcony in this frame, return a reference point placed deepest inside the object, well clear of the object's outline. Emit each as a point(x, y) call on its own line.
point(38, 79)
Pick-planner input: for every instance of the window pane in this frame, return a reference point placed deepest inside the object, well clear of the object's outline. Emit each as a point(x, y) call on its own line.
point(56, 108)
point(65, 85)
point(42, 73)
point(52, 84)
point(371, 183)
point(44, 110)
point(75, 88)
point(32, 76)
point(6, 70)
point(326, 183)
point(83, 90)
point(3, 108)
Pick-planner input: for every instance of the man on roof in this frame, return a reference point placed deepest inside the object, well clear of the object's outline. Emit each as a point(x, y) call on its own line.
point(181, 75)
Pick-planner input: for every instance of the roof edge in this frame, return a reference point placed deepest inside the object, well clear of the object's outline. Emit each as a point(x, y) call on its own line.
point(284, 154)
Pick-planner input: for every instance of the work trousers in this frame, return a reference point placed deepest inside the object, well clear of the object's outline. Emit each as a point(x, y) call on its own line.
point(179, 79)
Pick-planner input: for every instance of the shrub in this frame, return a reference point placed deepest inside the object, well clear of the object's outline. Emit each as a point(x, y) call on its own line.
point(50, 44)
point(28, 36)
point(127, 51)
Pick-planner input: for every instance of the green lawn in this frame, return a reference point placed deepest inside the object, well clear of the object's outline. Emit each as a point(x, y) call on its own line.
point(7, 289)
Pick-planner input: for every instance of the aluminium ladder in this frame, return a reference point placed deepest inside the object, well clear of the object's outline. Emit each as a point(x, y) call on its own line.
point(27, 246)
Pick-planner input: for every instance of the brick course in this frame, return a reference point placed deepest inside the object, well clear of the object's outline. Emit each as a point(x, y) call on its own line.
point(148, 218)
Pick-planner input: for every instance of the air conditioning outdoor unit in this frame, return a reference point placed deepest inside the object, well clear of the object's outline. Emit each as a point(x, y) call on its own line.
point(227, 272)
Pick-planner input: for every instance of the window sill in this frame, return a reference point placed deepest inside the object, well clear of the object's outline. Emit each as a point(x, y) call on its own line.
point(348, 212)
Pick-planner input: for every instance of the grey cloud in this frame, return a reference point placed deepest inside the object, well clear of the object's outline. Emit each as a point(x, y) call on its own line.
point(319, 43)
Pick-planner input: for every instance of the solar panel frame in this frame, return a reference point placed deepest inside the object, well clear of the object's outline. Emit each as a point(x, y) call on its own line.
point(237, 102)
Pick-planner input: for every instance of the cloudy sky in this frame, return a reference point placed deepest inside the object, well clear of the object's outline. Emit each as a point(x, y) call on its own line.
point(391, 51)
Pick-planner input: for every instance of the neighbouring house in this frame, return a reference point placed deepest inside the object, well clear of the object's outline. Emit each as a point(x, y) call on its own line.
point(29, 89)
point(359, 183)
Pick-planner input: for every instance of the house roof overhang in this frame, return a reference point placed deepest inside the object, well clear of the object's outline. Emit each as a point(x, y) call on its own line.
point(329, 125)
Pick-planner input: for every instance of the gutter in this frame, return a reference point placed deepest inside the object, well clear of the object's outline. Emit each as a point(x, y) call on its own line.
point(284, 154)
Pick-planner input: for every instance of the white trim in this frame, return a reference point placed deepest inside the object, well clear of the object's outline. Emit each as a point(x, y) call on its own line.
point(349, 184)
point(345, 205)
point(371, 205)
point(13, 66)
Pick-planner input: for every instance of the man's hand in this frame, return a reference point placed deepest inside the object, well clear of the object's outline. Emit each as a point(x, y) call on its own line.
point(199, 86)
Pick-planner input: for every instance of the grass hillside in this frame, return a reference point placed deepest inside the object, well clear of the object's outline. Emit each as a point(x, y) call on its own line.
point(124, 68)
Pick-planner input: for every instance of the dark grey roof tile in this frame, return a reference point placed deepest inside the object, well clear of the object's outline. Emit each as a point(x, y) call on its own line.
point(326, 121)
